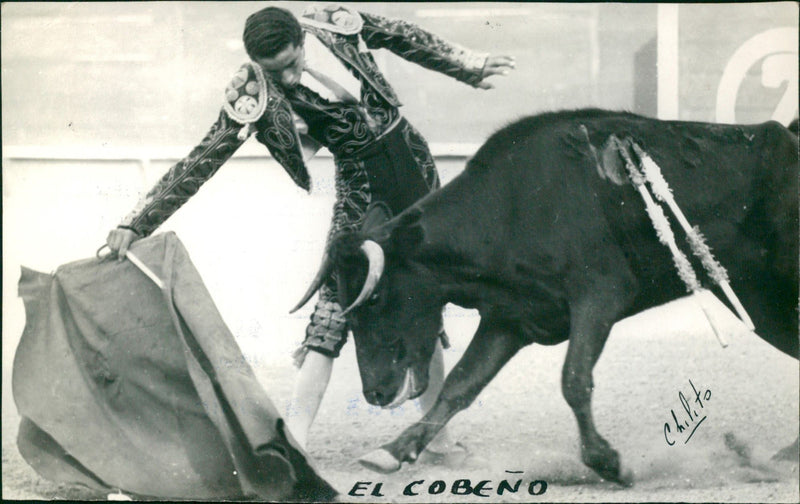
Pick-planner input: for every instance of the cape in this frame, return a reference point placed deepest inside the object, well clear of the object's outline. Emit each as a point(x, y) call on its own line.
point(121, 384)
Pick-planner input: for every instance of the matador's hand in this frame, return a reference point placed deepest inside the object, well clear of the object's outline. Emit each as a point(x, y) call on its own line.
point(119, 240)
point(496, 65)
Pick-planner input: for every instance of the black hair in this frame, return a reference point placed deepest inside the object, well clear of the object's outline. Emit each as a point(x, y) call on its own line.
point(270, 31)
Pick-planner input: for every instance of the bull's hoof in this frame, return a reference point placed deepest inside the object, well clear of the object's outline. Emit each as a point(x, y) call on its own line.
point(609, 467)
point(380, 461)
point(457, 457)
point(625, 477)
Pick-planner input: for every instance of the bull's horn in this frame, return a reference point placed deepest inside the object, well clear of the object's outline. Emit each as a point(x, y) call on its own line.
point(374, 254)
point(324, 271)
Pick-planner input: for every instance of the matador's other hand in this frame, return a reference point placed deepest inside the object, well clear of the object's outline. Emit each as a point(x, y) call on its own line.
point(496, 65)
point(119, 240)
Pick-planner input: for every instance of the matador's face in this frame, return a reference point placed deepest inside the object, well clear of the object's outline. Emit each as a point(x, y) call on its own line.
point(286, 67)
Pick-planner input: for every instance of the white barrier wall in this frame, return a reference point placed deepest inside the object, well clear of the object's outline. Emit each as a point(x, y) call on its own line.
point(131, 74)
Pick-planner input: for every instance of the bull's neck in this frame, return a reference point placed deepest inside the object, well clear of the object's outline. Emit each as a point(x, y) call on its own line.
point(464, 234)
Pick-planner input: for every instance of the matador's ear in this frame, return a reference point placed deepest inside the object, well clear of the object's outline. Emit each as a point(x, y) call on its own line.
point(246, 97)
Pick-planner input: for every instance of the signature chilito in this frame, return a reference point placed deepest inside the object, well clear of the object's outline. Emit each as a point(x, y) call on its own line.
point(690, 419)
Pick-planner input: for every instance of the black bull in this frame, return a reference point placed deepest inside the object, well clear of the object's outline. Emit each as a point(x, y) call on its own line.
point(545, 236)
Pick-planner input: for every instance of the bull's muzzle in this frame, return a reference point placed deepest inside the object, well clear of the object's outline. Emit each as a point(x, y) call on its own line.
point(407, 391)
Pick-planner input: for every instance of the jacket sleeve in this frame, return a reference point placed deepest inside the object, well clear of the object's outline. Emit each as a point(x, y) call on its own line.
point(184, 179)
point(414, 44)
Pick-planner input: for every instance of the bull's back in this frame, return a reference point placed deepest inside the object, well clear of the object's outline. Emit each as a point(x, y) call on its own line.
point(737, 183)
point(734, 180)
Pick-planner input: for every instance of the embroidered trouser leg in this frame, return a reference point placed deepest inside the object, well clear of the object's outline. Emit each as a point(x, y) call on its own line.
point(397, 169)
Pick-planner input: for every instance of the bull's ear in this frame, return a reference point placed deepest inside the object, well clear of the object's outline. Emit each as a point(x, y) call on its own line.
point(378, 213)
point(407, 234)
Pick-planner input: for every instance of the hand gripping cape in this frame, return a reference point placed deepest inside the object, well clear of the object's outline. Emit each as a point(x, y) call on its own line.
point(124, 385)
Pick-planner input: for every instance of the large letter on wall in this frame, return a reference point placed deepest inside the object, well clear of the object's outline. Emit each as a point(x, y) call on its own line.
point(776, 49)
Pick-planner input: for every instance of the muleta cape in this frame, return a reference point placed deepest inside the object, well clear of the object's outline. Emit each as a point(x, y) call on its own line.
point(122, 385)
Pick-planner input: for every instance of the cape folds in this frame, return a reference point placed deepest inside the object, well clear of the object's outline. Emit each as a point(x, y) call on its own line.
point(122, 385)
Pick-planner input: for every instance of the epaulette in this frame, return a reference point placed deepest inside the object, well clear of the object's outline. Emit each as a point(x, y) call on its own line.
point(333, 17)
point(246, 97)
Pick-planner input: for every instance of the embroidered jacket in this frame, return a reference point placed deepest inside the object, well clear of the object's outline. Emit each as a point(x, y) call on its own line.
point(253, 103)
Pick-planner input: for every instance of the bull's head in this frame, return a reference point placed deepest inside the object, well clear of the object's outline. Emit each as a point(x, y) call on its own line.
point(393, 304)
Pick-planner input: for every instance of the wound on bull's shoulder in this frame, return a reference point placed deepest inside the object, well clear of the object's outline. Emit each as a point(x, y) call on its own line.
point(612, 166)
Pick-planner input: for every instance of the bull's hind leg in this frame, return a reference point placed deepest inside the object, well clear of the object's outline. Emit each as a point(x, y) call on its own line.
point(591, 318)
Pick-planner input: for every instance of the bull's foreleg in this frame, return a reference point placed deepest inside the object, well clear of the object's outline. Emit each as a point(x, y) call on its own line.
point(591, 322)
point(490, 349)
